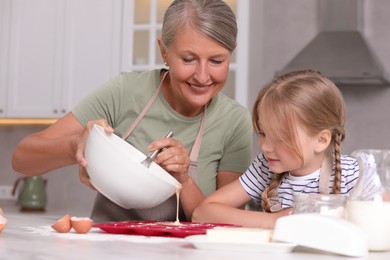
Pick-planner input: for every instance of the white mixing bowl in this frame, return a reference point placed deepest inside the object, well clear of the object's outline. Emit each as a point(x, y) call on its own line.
point(115, 170)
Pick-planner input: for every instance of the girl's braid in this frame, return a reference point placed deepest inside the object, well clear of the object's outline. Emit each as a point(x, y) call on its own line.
point(270, 191)
point(337, 137)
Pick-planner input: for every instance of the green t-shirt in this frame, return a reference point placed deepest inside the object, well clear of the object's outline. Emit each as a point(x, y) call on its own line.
point(227, 138)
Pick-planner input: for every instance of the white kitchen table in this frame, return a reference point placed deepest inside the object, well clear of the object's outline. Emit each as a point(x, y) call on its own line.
point(29, 236)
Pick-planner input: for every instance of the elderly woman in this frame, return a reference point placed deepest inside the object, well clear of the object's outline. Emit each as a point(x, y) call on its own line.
point(213, 136)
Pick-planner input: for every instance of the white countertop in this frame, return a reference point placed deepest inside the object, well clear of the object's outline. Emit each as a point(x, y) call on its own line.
point(29, 236)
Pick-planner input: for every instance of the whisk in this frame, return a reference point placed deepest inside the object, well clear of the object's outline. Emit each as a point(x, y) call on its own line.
point(149, 159)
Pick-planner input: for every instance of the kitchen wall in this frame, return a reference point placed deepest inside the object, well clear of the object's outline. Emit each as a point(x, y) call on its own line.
point(279, 29)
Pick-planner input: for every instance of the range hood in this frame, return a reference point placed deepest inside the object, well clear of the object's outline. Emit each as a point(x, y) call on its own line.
point(340, 51)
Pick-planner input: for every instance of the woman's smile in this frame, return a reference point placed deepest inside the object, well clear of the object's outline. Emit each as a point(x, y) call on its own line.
point(200, 88)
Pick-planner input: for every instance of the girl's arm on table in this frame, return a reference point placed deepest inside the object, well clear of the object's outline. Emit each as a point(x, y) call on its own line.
point(223, 206)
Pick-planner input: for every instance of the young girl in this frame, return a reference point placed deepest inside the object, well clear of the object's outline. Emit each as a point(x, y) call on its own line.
point(299, 118)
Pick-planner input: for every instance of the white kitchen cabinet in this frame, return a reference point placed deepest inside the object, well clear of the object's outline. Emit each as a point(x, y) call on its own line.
point(57, 52)
point(4, 26)
point(54, 52)
point(33, 69)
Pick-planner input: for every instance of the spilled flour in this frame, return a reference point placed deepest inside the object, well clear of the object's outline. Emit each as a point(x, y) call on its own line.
point(96, 234)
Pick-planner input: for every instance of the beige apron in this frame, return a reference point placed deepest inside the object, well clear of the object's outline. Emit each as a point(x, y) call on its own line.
point(326, 171)
point(105, 210)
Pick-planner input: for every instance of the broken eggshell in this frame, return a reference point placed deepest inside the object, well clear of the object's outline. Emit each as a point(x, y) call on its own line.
point(81, 225)
point(63, 225)
point(3, 220)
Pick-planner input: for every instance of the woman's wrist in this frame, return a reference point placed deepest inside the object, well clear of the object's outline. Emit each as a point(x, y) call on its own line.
point(184, 179)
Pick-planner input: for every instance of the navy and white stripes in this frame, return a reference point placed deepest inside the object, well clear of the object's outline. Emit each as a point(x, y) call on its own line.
point(258, 176)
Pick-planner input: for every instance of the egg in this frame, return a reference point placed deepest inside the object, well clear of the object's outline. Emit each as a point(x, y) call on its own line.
point(3, 220)
point(81, 225)
point(63, 225)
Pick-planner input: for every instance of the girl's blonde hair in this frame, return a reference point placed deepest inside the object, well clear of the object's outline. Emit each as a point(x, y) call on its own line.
point(306, 97)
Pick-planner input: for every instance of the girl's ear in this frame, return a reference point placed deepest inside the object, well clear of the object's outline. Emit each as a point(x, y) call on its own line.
point(323, 140)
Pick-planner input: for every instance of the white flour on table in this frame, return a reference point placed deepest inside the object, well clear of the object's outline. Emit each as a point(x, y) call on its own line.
point(95, 234)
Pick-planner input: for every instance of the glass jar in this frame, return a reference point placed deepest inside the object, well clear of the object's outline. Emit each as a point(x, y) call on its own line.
point(325, 204)
point(368, 205)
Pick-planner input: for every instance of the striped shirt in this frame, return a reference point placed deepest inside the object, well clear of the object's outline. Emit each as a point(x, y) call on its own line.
point(258, 176)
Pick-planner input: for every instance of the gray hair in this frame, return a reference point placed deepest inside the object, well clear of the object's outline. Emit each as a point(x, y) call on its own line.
point(212, 18)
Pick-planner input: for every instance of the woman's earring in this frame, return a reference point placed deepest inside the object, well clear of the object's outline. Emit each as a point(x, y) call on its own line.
point(166, 64)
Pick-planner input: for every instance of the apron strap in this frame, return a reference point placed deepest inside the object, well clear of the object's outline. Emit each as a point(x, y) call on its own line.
point(196, 147)
point(146, 108)
point(325, 172)
point(192, 168)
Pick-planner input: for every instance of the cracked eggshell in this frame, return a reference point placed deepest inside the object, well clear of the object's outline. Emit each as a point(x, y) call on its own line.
point(3, 222)
point(81, 225)
point(63, 225)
